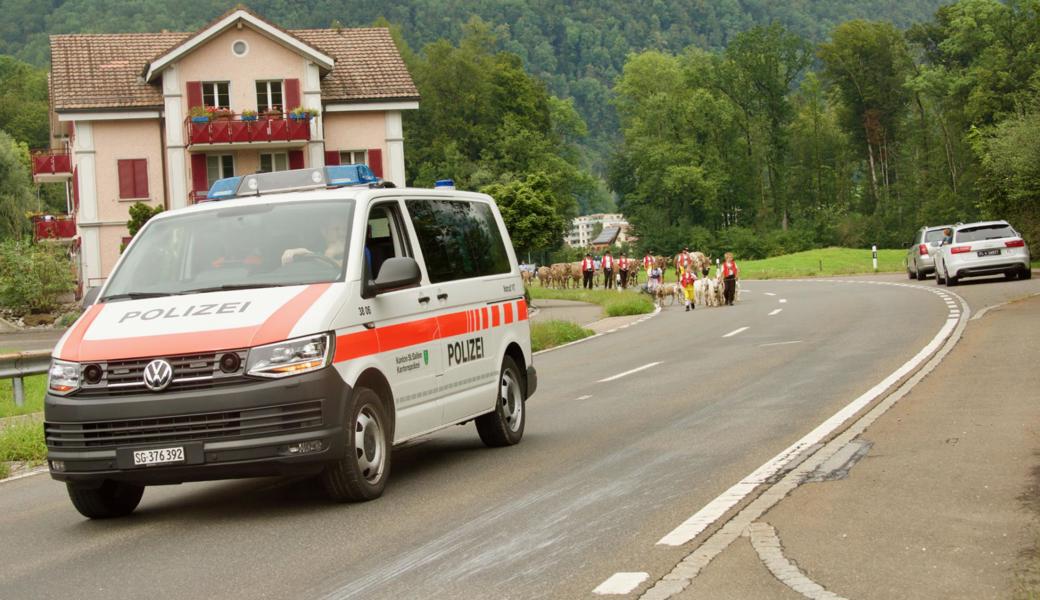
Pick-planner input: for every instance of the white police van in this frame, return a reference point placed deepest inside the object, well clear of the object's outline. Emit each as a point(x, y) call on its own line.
point(292, 327)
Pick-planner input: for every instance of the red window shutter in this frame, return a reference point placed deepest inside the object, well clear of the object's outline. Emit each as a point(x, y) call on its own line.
point(126, 179)
point(140, 178)
point(194, 94)
point(75, 189)
point(199, 179)
point(292, 94)
point(296, 159)
point(375, 161)
point(331, 157)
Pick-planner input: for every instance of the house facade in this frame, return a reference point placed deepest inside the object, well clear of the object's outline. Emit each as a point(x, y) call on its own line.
point(123, 131)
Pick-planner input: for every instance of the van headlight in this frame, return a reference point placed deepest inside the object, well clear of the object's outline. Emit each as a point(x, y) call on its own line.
point(291, 357)
point(63, 377)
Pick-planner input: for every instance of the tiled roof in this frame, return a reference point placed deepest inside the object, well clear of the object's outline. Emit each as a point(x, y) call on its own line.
point(104, 71)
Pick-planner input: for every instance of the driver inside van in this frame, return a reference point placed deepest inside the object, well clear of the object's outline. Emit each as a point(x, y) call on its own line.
point(335, 235)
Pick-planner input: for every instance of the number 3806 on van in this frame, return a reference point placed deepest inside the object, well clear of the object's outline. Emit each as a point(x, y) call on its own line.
point(290, 332)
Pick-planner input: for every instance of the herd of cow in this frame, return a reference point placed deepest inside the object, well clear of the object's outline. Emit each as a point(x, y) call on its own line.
point(707, 292)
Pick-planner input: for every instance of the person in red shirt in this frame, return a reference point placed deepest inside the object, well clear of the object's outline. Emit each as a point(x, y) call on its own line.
point(684, 262)
point(588, 269)
point(622, 265)
point(730, 272)
point(608, 270)
point(686, 281)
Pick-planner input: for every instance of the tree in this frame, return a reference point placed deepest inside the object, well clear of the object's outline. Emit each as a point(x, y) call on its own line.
point(16, 196)
point(529, 211)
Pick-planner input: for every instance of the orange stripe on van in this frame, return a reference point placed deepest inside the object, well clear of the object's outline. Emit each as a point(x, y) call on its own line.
point(484, 317)
point(279, 325)
point(509, 313)
point(494, 315)
point(521, 310)
point(71, 349)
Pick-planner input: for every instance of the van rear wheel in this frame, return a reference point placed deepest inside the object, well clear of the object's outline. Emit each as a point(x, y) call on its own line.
point(109, 500)
point(362, 472)
point(505, 425)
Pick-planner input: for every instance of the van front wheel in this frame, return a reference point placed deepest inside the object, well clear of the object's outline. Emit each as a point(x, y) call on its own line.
point(505, 425)
point(362, 472)
point(109, 500)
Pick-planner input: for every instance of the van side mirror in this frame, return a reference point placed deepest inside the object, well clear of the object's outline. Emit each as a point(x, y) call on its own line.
point(91, 296)
point(395, 273)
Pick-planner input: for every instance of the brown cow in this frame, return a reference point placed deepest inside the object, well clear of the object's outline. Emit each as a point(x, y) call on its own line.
point(544, 276)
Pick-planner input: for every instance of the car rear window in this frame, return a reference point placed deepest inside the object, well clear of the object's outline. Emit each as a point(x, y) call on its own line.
point(985, 232)
point(933, 235)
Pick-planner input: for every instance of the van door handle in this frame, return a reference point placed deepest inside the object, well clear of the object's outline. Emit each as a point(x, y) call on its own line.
point(424, 299)
point(442, 296)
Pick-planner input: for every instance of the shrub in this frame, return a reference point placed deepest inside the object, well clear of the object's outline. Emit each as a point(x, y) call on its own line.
point(33, 277)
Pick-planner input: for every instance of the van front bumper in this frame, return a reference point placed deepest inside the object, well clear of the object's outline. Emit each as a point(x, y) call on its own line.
point(253, 428)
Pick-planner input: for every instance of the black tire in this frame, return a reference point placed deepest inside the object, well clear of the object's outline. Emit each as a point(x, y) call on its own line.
point(921, 276)
point(1026, 273)
point(951, 280)
point(1012, 275)
point(112, 499)
point(362, 472)
point(505, 425)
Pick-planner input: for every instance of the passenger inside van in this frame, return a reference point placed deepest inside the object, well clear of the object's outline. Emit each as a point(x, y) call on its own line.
point(335, 236)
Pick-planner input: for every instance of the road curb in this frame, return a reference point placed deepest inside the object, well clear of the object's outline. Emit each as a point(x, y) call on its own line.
point(646, 317)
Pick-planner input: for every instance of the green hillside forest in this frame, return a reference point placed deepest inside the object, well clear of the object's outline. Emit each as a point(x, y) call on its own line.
point(766, 127)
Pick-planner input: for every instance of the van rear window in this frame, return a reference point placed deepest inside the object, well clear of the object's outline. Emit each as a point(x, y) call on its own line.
point(459, 239)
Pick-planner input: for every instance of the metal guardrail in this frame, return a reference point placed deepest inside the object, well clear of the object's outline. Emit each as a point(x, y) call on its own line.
point(17, 365)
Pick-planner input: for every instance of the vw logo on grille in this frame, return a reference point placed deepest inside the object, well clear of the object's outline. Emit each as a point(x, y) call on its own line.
point(157, 375)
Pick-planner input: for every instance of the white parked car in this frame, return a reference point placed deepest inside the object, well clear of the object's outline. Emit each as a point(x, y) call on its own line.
point(984, 248)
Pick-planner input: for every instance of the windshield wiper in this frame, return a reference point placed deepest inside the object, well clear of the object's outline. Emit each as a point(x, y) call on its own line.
point(236, 286)
point(136, 296)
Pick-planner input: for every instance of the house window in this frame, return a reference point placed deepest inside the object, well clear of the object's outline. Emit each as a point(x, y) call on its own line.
point(219, 166)
point(215, 93)
point(275, 161)
point(268, 94)
point(353, 157)
point(133, 178)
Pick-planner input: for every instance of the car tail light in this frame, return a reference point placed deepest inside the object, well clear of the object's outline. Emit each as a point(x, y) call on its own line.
point(923, 250)
point(960, 249)
point(1015, 244)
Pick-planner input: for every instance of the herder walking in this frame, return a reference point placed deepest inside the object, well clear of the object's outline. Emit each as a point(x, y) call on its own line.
point(622, 265)
point(730, 272)
point(588, 269)
point(608, 270)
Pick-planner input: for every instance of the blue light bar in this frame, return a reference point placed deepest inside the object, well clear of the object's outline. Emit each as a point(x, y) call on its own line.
point(349, 175)
point(223, 188)
point(294, 180)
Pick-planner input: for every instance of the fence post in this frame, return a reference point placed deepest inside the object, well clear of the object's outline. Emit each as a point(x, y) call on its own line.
point(873, 250)
point(19, 392)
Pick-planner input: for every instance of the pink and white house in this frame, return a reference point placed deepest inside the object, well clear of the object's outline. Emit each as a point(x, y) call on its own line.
point(121, 130)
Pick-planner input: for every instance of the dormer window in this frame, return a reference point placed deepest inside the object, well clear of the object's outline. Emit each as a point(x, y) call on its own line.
point(216, 93)
point(268, 95)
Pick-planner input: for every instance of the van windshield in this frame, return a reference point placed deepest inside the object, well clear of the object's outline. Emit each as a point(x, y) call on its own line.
point(262, 245)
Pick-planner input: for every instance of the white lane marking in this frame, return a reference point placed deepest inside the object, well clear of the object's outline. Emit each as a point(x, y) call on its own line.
point(771, 552)
point(770, 294)
point(780, 343)
point(715, 509)
point(776, 311)
point(735, 332)
point(629, 372)
point(783, 300)
point(585, 397)
point(620, 583)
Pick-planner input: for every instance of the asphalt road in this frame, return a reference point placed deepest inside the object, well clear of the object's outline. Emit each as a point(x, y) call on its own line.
point(605, 469)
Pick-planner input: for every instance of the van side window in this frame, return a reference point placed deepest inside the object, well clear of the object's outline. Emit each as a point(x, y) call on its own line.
point(459, 239)
point(384, 238)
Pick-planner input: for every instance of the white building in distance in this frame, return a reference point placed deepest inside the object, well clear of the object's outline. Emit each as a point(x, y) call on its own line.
point(581, 234)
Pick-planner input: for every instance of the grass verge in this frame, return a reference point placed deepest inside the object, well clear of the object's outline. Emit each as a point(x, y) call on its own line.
point(548, 334)
point(614, 303)
point(822, 262)
point(21, 442)
point(35, 386)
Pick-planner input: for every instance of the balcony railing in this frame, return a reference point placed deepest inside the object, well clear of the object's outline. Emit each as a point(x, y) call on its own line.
point(54, 228)
point(52, 165)
point(239, 131)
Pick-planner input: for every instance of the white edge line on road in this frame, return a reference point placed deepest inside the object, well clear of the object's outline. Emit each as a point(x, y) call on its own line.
point(35, 471)
point(620, 583)
point(585, 397)
point(776, 311)
point(735, 332)
point(769, 294)
point(629, 372)
point(783, 301)
point(780, 343)
point(657, 309)
point(715, 509)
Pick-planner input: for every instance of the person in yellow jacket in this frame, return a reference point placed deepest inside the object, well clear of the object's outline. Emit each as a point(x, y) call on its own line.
point(686, 281)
